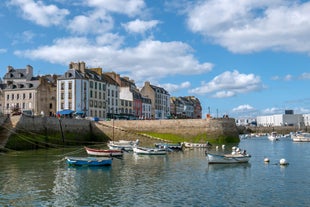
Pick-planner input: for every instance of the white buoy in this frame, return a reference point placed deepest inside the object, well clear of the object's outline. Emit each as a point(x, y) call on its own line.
point(223, 146)
point(283, 162)
point(266, 159)
point(217, 147)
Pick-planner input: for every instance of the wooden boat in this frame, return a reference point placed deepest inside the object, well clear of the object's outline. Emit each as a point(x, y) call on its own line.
point(104, 152)
point(89, 161)
point(301, 137)
point(227, 158)
point(122, 145)
point(149, 151)
point(170, 146)
point(196, 145)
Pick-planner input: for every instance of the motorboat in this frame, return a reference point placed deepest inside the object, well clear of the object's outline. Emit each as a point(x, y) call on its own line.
point(301, 137)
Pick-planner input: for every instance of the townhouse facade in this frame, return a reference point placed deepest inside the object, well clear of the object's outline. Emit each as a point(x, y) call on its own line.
point(160, 100)
point(187, 107)
point(24, 93)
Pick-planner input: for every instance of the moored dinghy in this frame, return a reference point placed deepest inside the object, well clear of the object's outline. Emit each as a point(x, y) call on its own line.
point(104, 152)
point(149, 151)
point(89, 161)
point(236, 156)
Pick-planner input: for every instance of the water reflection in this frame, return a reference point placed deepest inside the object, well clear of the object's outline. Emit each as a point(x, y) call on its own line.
point(219, 167)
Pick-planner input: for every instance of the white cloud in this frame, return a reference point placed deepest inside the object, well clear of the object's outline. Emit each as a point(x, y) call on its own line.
point(243, 108)
point(305, 76)
point(39, 13)
point(175, 87)
point(141, 62)
point(24, 37)
point(288, 77)
point(128, 7)
point(250, 26)
point(95, 23)
point(2, 50)
point(140, 26)
point(273, 110)
point(230, 84)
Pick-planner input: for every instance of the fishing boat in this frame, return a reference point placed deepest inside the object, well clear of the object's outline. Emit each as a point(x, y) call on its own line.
point(237, 156)
point(104, 152)
point(122, 145)
point(89, 161)
point(196, 145)
point(273, 136)
point(170, 146)
point(301, 137)
point(149, 151)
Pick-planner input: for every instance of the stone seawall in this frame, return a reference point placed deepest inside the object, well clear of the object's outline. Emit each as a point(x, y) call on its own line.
point(200, 129)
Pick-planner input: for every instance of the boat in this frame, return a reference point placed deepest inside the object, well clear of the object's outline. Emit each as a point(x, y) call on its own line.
point(89, 161)
point(170, 146)
point(273, 136)
point(122, 145)
point(196, 145)
point(149, 151)
point(237, 156)
point(301, 137)
point(104, 152)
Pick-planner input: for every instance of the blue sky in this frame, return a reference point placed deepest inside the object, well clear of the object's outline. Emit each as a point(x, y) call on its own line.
point(242, 58)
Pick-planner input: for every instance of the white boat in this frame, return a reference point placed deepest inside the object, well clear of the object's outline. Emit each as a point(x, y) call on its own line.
point(237, 156)
point(122, 145)
point(273, 136)
point(301, 137)
point(104, 152)
point(149, 151)
point(227, 158)
point(196, 145)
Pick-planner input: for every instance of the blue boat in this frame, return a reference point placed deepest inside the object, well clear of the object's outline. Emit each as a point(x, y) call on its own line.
point(89, 161)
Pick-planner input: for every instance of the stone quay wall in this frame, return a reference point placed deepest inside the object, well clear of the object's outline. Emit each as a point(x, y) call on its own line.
point(124, 129)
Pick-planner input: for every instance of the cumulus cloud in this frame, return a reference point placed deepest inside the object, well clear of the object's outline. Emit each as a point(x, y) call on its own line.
point(175, 87)
point(273, 110)
point(128, 7)
point(141, 62)
point(243, 108)
point(40, 13)
point(140, 26)
point(250, 26)
point(230, 84)
point(95, 23)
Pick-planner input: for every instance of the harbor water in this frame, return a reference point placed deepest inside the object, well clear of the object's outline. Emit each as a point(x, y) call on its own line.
point(42, 178)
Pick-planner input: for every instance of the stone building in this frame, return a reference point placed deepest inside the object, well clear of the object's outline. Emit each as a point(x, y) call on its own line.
point(187, 107)
point(160, 100)
point(82, 90)
point(24, 93)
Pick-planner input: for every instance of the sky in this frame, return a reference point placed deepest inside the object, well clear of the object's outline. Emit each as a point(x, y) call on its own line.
point(241, 58)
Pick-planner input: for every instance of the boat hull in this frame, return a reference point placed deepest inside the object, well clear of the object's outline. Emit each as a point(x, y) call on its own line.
point(104, 153)
point(196, 145)
point(89, 161)
point(301, 137)
point(149, 151)
point(227, 159)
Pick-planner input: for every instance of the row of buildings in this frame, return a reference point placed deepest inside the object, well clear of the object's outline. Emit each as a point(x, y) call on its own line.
point(286, 119)
point(90, 92)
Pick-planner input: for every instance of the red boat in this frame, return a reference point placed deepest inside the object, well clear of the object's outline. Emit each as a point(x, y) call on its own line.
point(104, 152)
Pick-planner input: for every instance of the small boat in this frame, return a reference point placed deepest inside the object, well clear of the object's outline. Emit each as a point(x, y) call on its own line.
point(149, 151)
point(227, 158)
point(237, 156)
point(301, 137)
point(122, 145)
point(104, 152)
point(89, 161)
point(273, 136)
point(170, 146)
point(196, 145)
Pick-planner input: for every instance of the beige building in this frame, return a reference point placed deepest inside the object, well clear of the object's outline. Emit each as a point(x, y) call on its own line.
point(160, 100)
point(24, 93)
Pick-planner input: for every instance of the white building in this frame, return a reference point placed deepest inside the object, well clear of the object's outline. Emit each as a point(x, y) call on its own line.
point(306, 119)
point(280, 120)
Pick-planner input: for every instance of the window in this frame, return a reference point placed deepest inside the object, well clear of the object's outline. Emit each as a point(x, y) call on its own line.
point(62, 86)
point(7, 97)
point(70, 85)
point(17, 96)
point(91, 84)
point(12, 96)
point(30, 95)
point(24, 95)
